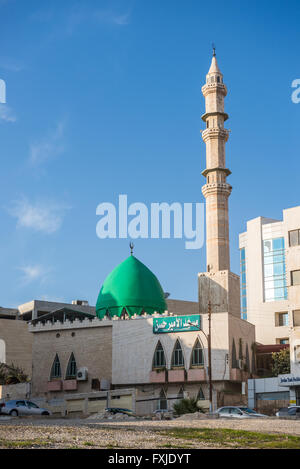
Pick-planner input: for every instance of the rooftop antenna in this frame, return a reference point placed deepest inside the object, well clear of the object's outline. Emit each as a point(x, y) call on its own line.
point(131, 245)
point(214, 49)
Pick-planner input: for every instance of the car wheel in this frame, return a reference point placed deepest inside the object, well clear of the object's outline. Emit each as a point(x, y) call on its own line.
point(14, 413)
point(45, 413)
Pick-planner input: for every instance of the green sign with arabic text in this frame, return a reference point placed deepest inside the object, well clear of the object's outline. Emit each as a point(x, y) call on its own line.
point(176, 324)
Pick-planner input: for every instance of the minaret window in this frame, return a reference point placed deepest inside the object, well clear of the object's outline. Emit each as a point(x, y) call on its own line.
point(218, 79)
point(55, 370)
point(177, 357)
point(159, 359)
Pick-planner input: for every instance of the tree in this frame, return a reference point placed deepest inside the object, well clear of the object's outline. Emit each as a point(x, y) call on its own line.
point(281, 362)
point(11, 374)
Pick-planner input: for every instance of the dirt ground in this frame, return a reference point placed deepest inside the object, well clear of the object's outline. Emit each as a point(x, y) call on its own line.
point(82, 433)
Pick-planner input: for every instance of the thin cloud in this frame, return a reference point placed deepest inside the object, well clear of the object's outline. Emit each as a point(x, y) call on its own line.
point(6, 114)
point(10, 65)
point(49, 147)
point(46, 217)
point(33, 273)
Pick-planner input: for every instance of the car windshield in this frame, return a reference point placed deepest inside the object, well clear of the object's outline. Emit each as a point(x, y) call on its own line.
point(247, 410)
point(32, 404)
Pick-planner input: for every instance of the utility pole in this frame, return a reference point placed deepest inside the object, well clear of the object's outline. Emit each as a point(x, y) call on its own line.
point(209, 357)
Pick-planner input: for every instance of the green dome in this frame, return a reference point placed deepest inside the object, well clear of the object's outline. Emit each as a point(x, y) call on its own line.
point(131, 285)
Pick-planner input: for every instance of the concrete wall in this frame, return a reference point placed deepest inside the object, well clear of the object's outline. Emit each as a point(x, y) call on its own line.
point(260, 313)
point(16, 345)
point(134, 345)
point(182, 307)
point(15, 391)
point(91, 345)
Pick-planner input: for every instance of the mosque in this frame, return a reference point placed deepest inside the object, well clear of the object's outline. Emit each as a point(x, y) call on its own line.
point(137, 348)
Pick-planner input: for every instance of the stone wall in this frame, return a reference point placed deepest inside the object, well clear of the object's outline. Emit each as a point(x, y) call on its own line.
point(17, 343)
point(90, 342)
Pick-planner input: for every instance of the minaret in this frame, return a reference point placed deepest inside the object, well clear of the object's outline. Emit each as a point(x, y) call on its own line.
point(218, 286)
point(216, 190)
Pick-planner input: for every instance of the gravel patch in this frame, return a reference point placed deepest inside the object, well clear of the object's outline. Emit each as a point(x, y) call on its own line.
point(139, 434)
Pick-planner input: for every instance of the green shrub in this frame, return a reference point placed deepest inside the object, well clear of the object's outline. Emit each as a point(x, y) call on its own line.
point(187, 406)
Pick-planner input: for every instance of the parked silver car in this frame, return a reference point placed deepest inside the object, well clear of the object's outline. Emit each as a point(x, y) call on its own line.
point(238, 412)
point(22, 407)
point(288, 412)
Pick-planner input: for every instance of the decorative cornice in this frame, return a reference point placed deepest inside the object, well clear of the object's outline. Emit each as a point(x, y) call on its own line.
point(214, 113)
point(218, 168)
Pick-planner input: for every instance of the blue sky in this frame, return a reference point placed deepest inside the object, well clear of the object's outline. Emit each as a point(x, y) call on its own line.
point(104, 98)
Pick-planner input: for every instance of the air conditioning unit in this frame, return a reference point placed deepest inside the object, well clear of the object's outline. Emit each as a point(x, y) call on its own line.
point(82, 374)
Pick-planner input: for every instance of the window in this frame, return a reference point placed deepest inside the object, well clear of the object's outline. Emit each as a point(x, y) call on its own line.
point(159, 356)
point(163, 402)
point(285, 340)
point(294, 238)
point(200, 395)
point(295, 277)
point(282, 319)
point(197, 354)
point(55, 370)
point(32, 405)
point(274, 270)
point(72, 368)
point(177, 357)
point(296, 317)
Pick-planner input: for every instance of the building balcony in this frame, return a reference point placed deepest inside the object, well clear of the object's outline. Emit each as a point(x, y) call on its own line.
point(175, 376)
point(196, 374)
point(70, 385)
point(54, 385)
point(158, 376)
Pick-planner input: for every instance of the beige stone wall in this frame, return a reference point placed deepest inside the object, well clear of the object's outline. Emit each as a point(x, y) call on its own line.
point(222, 289)
point(182, 307)
point(17, 343)
point(92, 348)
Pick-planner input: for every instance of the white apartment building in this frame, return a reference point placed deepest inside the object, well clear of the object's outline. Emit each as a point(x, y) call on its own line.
point(270, 276)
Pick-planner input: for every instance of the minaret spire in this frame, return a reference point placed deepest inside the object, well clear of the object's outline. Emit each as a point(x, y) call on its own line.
point(216, 190)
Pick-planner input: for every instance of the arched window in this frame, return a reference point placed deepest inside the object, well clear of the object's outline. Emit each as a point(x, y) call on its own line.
point(72, 368)
point(159, 359)
point(197, 354)
point(180, 395)
point(177, 356)
point(200, 395)
point(218, 79)
point(55, 370)
point(234, 363)
point(163, 402)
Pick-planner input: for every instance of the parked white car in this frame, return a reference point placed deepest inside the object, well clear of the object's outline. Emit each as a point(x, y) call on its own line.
point(238, 412)
point(22, 407)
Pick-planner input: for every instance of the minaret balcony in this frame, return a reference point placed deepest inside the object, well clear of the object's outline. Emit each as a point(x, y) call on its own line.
point(216, 188)
point(215, 133)
point(213, 88)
